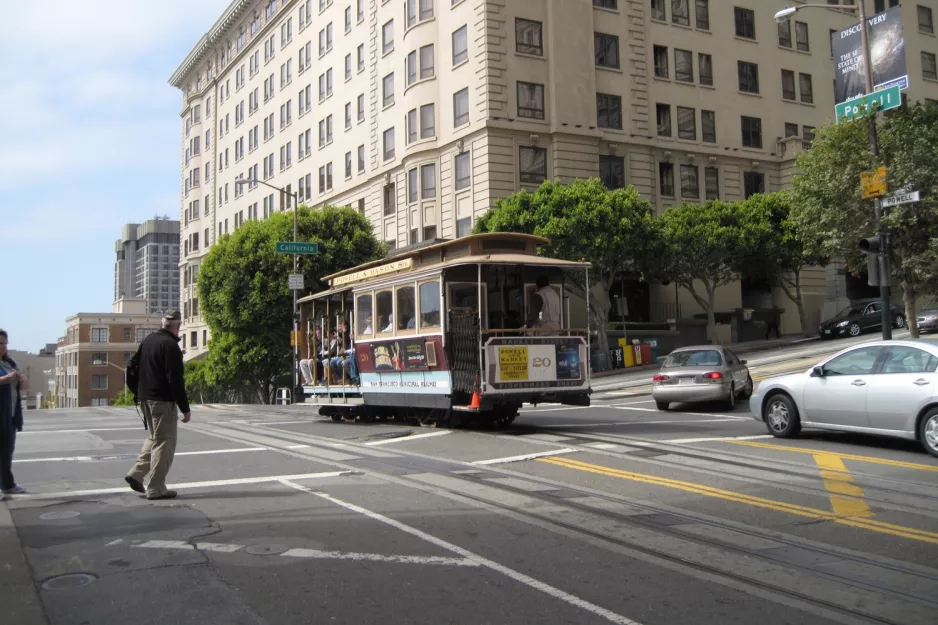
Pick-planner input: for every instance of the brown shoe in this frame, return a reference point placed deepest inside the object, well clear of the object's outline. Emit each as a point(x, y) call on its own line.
point(135, 484)
point(169, 494)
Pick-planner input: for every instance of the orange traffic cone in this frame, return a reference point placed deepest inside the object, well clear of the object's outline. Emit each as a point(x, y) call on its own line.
point(476, 403)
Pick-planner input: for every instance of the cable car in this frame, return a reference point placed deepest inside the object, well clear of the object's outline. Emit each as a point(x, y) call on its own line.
point(449, 332)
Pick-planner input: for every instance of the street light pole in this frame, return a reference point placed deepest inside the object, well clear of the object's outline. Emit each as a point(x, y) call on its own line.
point(883, 256)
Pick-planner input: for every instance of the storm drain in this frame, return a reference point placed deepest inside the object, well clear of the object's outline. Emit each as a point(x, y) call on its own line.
point(71, 580)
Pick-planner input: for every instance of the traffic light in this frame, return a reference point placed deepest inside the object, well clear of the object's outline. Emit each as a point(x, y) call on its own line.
point(872, 247)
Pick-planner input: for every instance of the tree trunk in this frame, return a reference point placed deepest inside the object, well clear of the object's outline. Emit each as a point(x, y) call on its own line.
point(599, 315)
point(707, 305)
point(798, 299)
point(911, 319)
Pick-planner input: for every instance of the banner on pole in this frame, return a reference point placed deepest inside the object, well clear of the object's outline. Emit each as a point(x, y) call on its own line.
point(887, 52)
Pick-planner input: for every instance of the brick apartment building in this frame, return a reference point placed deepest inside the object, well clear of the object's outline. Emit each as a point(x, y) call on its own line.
point(90, 359)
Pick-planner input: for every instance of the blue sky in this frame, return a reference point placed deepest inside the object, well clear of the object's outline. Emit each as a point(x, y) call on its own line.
point(89, 141)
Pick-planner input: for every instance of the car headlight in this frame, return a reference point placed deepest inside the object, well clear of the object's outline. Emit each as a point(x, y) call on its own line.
point(843, 324)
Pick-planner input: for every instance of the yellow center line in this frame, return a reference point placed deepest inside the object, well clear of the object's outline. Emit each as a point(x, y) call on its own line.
point(846, 497)
point(759, 502)
point(867, 459)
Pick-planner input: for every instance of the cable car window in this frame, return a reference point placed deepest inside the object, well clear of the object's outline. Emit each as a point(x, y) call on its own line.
point(430, 305)
point(406, 310)
point(364, 315)
point(384, 301)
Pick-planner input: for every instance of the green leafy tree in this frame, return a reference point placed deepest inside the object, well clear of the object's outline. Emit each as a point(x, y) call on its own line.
point(787, 250)
point(614, 230)
point(246, 301)
point(829, 204)
point(124, 398)
point(710, 245)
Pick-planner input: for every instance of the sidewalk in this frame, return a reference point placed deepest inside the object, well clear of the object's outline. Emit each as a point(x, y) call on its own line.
point(20, 604)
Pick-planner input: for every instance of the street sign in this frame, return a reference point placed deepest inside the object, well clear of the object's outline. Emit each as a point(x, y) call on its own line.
point(286, 247)
point(296, 282)
point(874, 183)
point(894, 199)
point(886, 99)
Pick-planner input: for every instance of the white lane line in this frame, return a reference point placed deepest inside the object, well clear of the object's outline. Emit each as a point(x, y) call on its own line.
point(377, 557)
point(498, 568)
point(114, 542)
point(719, 438)
point(140, 427)
point(604, 445)
point(530, 410)
point(676, 421)
point(540, 454)
point(178, 453)
point(287, 422)
point(298, 446)
point(181, 544)
point(233, 482)
point(412, 437)
point(701, 414)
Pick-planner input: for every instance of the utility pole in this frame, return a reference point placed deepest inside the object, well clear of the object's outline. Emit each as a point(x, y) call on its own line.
point(883, 255)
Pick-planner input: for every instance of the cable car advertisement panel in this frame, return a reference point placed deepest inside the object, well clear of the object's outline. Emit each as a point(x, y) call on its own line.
point(526, 363)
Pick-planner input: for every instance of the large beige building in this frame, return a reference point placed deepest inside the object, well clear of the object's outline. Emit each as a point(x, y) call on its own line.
point(421, 113)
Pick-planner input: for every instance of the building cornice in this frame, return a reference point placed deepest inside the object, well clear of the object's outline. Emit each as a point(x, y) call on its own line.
point(204, 45)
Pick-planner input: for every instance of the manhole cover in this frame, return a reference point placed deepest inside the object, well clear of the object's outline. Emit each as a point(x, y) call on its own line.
point(266, 550)
point(72, 580)
point(61, 514)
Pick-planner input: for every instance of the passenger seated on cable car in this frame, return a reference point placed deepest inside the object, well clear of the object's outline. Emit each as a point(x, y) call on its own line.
point(545, 306)
point(431, 319)
point(384, 322)
point(315, 360)
point(343, 356)
point(367, 326)
point(407, 322)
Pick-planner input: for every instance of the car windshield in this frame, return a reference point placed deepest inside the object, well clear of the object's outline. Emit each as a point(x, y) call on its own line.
point(693, 358)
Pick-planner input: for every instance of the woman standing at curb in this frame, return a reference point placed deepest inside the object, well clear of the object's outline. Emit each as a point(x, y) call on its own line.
point(11, 416)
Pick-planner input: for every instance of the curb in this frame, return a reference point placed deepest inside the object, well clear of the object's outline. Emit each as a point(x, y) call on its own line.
point(20, 603)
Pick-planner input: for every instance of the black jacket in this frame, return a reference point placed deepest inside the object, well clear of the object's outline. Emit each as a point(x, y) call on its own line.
point(161, 370)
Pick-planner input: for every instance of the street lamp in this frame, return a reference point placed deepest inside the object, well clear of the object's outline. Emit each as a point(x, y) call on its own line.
point(784, 15)
point(296, 390)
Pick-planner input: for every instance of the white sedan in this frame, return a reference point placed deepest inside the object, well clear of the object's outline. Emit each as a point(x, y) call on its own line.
point(889, 388)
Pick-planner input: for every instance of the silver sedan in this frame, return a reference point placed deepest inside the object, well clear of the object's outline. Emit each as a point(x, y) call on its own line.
point(888, 388)
point(701, 373)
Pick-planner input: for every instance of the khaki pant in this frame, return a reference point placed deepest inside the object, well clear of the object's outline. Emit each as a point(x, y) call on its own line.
point(162, 418)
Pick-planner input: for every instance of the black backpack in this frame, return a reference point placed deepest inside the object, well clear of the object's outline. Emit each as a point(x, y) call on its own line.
point(133, 374)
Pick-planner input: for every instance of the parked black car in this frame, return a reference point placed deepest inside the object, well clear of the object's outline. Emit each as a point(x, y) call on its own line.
point(928, 318)
point(858, 318)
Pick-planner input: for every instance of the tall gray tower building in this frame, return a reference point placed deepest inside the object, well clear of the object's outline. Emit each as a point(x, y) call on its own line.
point(147, 264)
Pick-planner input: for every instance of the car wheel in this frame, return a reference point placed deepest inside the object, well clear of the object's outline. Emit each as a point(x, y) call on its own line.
point(662, 405)
point(731, 400)
point(928, 432)
point(899, 322)
point(854, 329)
point(781, 416)
point(746, 393)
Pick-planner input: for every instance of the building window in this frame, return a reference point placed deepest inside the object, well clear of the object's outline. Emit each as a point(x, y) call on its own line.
point(99, 335)
point(661, 61)
point(801, 36)
point(753, 183)
point(389, 200)
point(752, 132)
point(807, 137)
point(666, 179)
point(745, 22)
point(612, 171)
point(705, 68)
point(427, 121)
point(658, 10)
point(609, 111)
point(712, 183)
point(606, 4)
point(791, 130)
point(99, 358)
point(683, 66)
point(461, 108)
point(429, 233)
point(426, 62)
point(387, 37)
point(925, 23)
point(428, 181)
point(412, 186)
point(387, 90)
point(748, 77)
point(388, 144)
point(411, 68)
point(533, 164)
point(703, 14)
point(607, 50)
point(784, 33)
point(463, 227)
point(680, 12)
point(530, 100)
point(929, 70)
point(460, 45)
point(463, 176)
point(529, 37)
point(99, 382)
point(361, 158)
point(663, 114)
point(686, 123)
point(708, 126)
point(127, 334)
point(788, 84)
point(807, 88)
point(690, 185)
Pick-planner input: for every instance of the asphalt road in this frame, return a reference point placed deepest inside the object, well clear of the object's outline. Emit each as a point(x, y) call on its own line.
point(615, 513)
